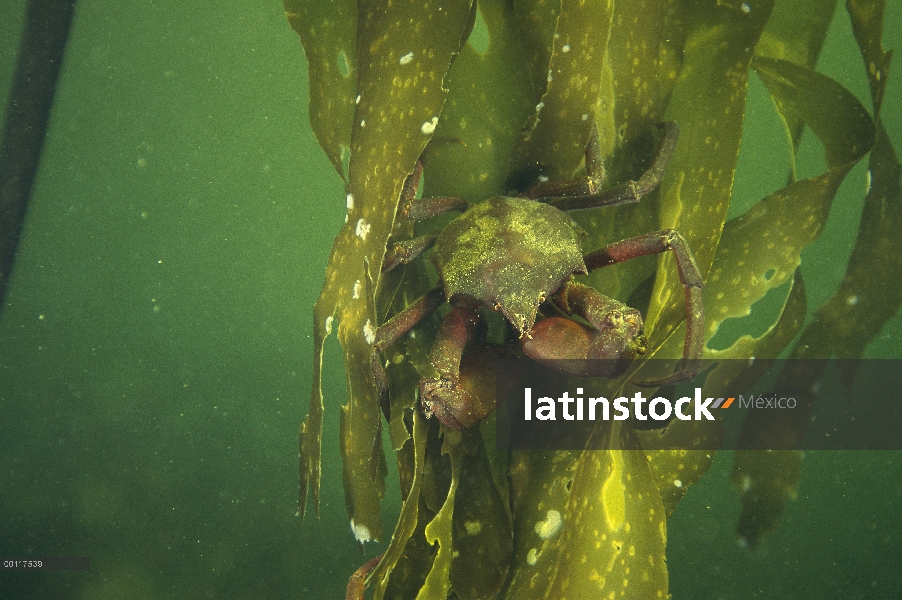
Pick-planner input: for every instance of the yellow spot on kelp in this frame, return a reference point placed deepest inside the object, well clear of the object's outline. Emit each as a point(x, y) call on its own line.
point(613, 494)
point(473, 527)
point(532, 557)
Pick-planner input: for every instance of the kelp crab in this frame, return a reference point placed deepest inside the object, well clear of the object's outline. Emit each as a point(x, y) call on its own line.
point(516, 254)
point(389, 79)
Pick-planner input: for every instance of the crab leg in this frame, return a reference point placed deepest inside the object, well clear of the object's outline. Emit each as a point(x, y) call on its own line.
point(418, 209)
point(357, 582)
point(405, 251)
point(444, 396)
point(401, 323)
point(657, 243)
point(605, 349)
point(584, 192)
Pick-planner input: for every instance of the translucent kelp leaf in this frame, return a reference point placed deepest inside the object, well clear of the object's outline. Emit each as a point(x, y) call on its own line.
point(404, 51)
point(708, 102)
point(489, 100)
point(867, 24)
point(795, 33)
point(607, 539)
point(555, 138)
point(871, 292)
point(846, 323)
point(328, 31)
point(765, 479)
point(761, 249)
point(675, 471)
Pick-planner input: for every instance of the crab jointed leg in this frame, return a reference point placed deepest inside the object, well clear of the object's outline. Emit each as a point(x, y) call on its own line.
point(418, 209)
point(401, 323)
point(656, 243)
point(444, 396)
point(584, 192)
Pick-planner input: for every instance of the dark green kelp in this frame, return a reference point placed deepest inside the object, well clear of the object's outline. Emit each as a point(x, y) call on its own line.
point(393, 82)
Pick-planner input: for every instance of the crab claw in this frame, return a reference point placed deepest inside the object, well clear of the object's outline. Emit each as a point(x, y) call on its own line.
point(460, 403)
point(582, 351)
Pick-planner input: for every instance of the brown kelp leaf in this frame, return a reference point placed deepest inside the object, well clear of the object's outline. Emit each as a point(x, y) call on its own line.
point(536, 21)
point(554, 141)
point(440, 531)
point(489, 100)
point(540, 489)
point(404, 360)
point(871, 292)
point(482, 530)
point(328, 31)
point(761, 249)
point(404, 51)
point(766, 479)
point(407, 521)
point(867, 24)
point(608, 538)
point(676, 470)
point(708, 102)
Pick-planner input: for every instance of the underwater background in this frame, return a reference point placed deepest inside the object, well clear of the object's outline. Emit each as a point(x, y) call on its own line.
point(155, 340)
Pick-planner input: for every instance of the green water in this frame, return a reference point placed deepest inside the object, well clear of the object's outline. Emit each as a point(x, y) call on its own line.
point(155, 349)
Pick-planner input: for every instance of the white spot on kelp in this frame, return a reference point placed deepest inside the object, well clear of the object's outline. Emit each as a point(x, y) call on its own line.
point(361, 532)
point(357, 288)
point(428, 128)
point(363, 229)
point(406, 59)
point(329, 320)
point(551, 525)
point(369, 333)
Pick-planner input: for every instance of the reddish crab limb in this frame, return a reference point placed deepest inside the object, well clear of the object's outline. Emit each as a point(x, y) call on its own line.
point(400, 324)
point(425, 208)
point(603, 350)
point(357, 581)
point(444, 396)
point(690, 277)
point(584, 193)
point(405, 251)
